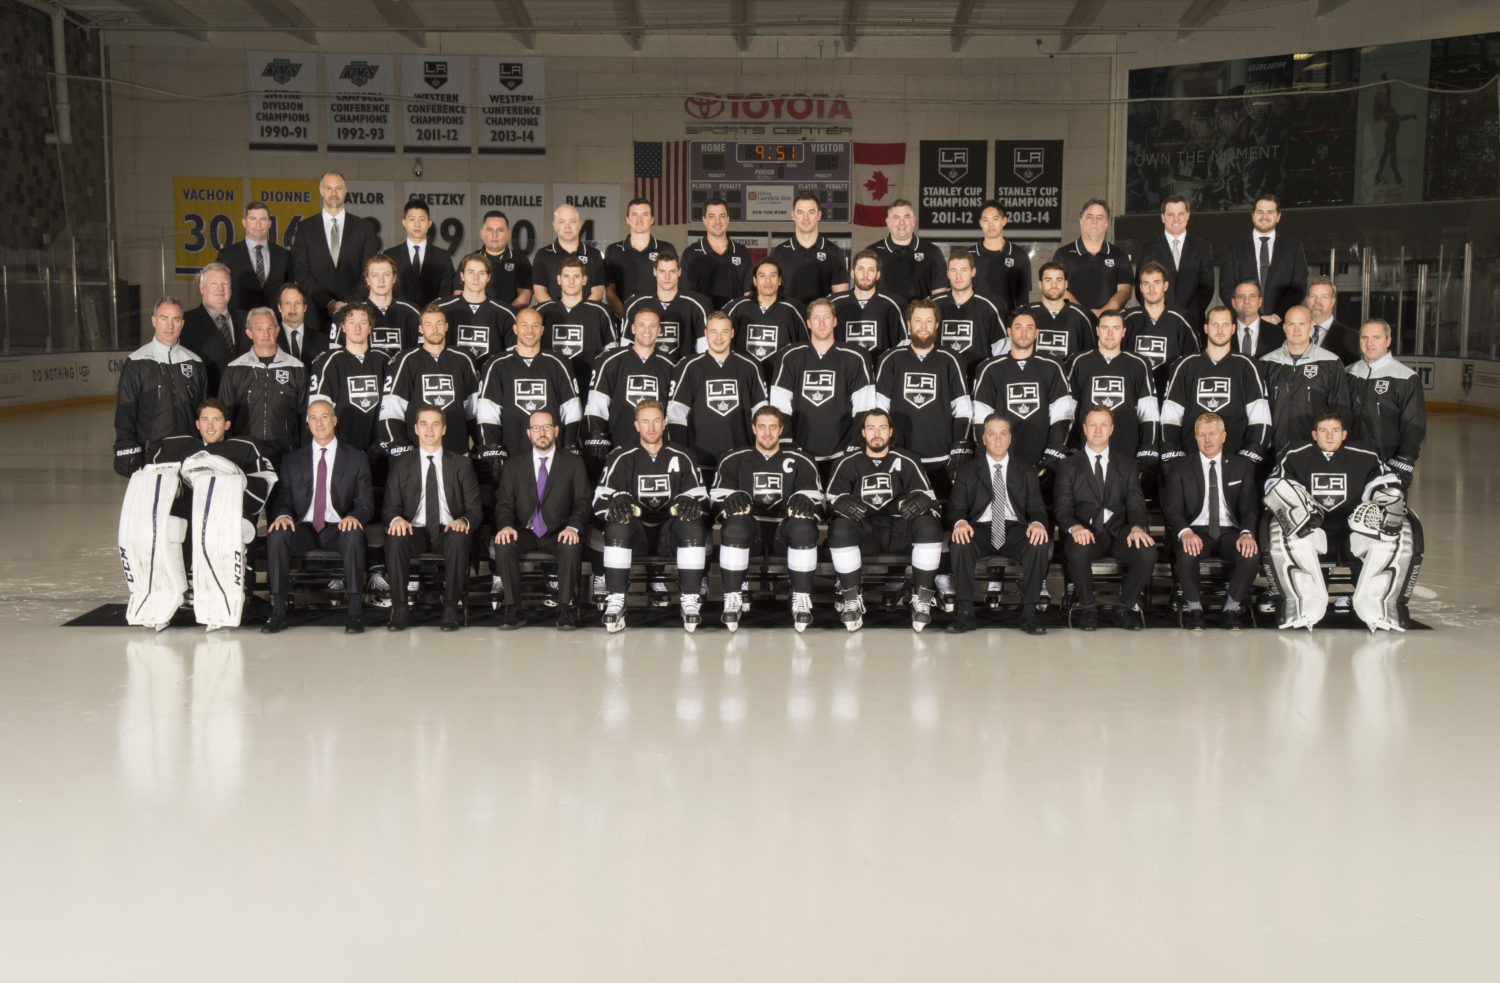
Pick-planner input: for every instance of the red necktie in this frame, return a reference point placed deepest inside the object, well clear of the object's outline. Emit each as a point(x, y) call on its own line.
point(320, 490)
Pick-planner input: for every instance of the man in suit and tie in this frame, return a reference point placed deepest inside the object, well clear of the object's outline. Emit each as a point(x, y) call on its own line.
point(541, 505)
point(1328, 332)
point(1101, 511)
point(299, 336)
point(329, 252)
point(1018, 530)
point(214, 331)
point(1188, 260)
point(257, 266)
point(431, 505)
point(1276, 263)
point(1212, 507)
point(322, 501)
point(1254, 336)
point(424, 272)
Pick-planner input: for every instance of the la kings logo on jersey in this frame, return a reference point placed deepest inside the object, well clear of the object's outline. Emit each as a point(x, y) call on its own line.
point(817, 386)
point(474, 338)
point(386, 340)
point(1108, 391)
point(1382, 386)
point(639, 387)
point(723, 395)
point(529, 395)
point(653, 489)
point(1213, 393)
point(567, 339)
point(1330, 490)
point(187, 370)
point(283, 376)
point(875, 490)
point(919, 388)
point(363, 392)
point(1023, 398)
point(957, 336)
point(1052, 342)
point(1153, 350)
point(1310, 371)
point(760, 340)
point(861, 334)
point(439, 390)
point(670, 336)
point(766, 487)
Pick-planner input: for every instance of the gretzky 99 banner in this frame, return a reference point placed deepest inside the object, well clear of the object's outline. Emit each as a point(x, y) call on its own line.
point(283, 107)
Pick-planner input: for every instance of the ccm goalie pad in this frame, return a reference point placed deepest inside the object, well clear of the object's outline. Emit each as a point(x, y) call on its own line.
point(1296, 543)
point(219, 538)
point(151, 546)
point(1380, 535)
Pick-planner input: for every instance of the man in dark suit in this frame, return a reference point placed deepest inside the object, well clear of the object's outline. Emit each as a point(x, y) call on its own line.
point(431, 504)
point(215, 331)
point(560, 483)
point(1212, 505)
point(1276, 263)
point(1188, 260)
point(300, 336)
point(322, 505)
point(1023, 525)
point(1101, 511)
point(1329, 333)
point(1254, 336)
point(329, 252)
point(257, 266)
point(424, 272)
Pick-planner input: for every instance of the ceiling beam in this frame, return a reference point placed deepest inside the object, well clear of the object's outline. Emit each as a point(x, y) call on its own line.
point(281, 13)
point(399, 15)
point(516, 13)
point(632, 27)
point(1326, 7)
point(740, 14)
point(1085, 13)
point(961, 18)
point(851, 24)
point(1198, 14)
point(166, 13)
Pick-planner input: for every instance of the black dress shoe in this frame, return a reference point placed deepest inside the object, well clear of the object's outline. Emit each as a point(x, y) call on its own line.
point(511, 617)
point(400, 616)
point(1030, 625)
point(1192, 619)
point(1127, 618)
point(567, 618)
point(1231, 620)
point(450, 618)
point(1088, 619)
point(275, 623)
point(355, 625)
point(963, 621)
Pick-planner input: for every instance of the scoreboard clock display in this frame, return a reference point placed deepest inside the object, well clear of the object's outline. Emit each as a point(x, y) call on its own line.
point(760, 181)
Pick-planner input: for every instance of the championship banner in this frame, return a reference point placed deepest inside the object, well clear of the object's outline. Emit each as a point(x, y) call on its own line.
point(376, 202)
point(288, 201)
point(283, 103)
point(361, 112)
point(451, 207)
point(599, 207)
point(512, 107)
point(208, 212)
point(951, 194)
point(436, 111)
point(1028, 184)
point(524, 211)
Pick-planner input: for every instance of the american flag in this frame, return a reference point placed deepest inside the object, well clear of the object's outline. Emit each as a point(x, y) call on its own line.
point(661, 174)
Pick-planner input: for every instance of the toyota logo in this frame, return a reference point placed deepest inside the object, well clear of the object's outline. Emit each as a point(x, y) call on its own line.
point(703, 105)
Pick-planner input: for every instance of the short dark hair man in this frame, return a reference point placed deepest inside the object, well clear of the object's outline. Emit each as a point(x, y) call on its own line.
point(161, 385)
point(1274, 262)
point(1188, 261)
point(424, 271)
point(257, 265)
point(1099, 275)
point(1387, 405)
point(813, 265)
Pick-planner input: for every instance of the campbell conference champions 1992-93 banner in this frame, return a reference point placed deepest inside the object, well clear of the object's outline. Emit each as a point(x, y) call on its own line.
point(361, 110)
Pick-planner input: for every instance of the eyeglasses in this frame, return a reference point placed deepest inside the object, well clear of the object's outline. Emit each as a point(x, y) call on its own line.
point(542, 428)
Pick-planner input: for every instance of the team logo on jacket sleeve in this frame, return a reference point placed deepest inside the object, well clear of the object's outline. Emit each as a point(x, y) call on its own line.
point(957, 336)
point(529, 395)
point(1108, 391)
point(1213, 393)
point(1023, 398)
point(639, 387)
point(861, 334)
point(1152, 349)
point(875, 489)
point(761, 340)
point(567, 339)
point(919, 388)
point(653, 489)
point(1330, 490)
point(766, 487)
point(438, 390)
point(723, 395)
point(817, 386)
point(363, 392)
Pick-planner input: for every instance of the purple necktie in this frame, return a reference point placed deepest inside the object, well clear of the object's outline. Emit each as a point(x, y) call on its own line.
point(320, 490)
point(537, 525)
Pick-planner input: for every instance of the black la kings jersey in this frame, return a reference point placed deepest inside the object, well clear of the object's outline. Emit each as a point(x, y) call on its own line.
point(1033, 395)
point(762, 331)
point(355, 383)
point(768, 480)
point(652, 480)
point(516, 386)
point(577, 334)
point(446, 380)
point(260, 474)
point(927, 397)
point(682, 321)
point(1162, 342)
point(1123, 384)
point(1064, 335)
point(621, 380)
point(823, 394)
point(1299, 387)
point(1229, 387)
point(873, 326)
point(1337, 481)
point(396, 329)
point(481, 330)
point(879, 482)
point(713, 404)
point(972, 331)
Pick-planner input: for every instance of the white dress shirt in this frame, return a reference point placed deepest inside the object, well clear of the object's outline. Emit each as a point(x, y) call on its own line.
point(1108, 513)
point(1009, 508)
point(1226, 516)
point(444, 516)
point(330, 516)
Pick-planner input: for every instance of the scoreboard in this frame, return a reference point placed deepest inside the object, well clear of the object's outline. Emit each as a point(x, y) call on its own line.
point(760, 181)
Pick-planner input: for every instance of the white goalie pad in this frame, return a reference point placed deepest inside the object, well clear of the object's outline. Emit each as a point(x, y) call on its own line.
point(218, 547)
point(1294, 564)
point(1385, 561)
point(1292, 507)
point(150, 541)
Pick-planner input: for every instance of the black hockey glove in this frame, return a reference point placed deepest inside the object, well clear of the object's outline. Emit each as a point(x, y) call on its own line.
point(490, 459)
point(620, 509)
point(596, 446)
point(737, 503)
point(129, 457)
point(915, 504)
point(687, 508)
point(802, 506)
point(851, 508)
point(960, 452)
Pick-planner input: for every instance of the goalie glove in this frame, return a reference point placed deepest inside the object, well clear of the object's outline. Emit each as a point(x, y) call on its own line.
point(802, 506)
point(1391, 501)
point(687, 508)
point(737, 503)
point(851, 508)
point(916, 504)
point(620, 509)
point(960, 452)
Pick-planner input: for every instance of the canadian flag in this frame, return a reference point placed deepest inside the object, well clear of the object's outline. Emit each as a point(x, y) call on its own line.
point(877, 175)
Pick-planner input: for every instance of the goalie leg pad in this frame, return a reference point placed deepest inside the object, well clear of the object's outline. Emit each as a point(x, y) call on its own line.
point(150, 541)
point(218, 550)
point(1383, 577)
point(1294, 565)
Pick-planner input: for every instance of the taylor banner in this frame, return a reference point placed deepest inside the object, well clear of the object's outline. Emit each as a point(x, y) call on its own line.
point(1028, 184)
point(361, 110)
point(951, 194)
point(283, 101)
point(208, 213)
point(512, 110)
point(524, 212)
point(436, 112)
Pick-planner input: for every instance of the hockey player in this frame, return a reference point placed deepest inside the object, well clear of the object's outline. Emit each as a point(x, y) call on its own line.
point(545, 264)
point(516, 385)
point(680, 315)
point(1120, 382)
point(213, 428)
point(265, 390)
point(395, 325)
point(714, 397)
point(1002, 270)
point(630, 263)
point(1217, 380)
point(433, 374)
point(1387, 405)
point(1064, 329)
point(969, 324)
point(622, 378)
point(910, 269)
point(1154, 331)
point(161, 385)
point(1302, 380)
point(880, 499)
point(768, 498)
point(477, 326)
point(716, 267)
point(922, 388)
point(766, 323)
point(650, 500)
point(812, 265)
point(1031, 392)
point(1330, 498)
point(352, 378)
point(823, 388)
point(574, 329)
point(867, 319)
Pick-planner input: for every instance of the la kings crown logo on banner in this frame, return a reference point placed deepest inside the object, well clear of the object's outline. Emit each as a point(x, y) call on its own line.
point(723, 396)
point(766, 487)
point(760, 339)
point(363, 392)
point(567, 339)
point(1023, 398)
point(1108, 391)
point(817, 386)
point(1153, 350)
point(1330, 490)
point(919, 389)
point(359, 73)
point(1213, 393)
point(530, 395)
point(512, 74)
point(435, 73)
point(438, 390)
point(281, 70)
point(875, 490)
point(639, 387)
point(653, 489)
